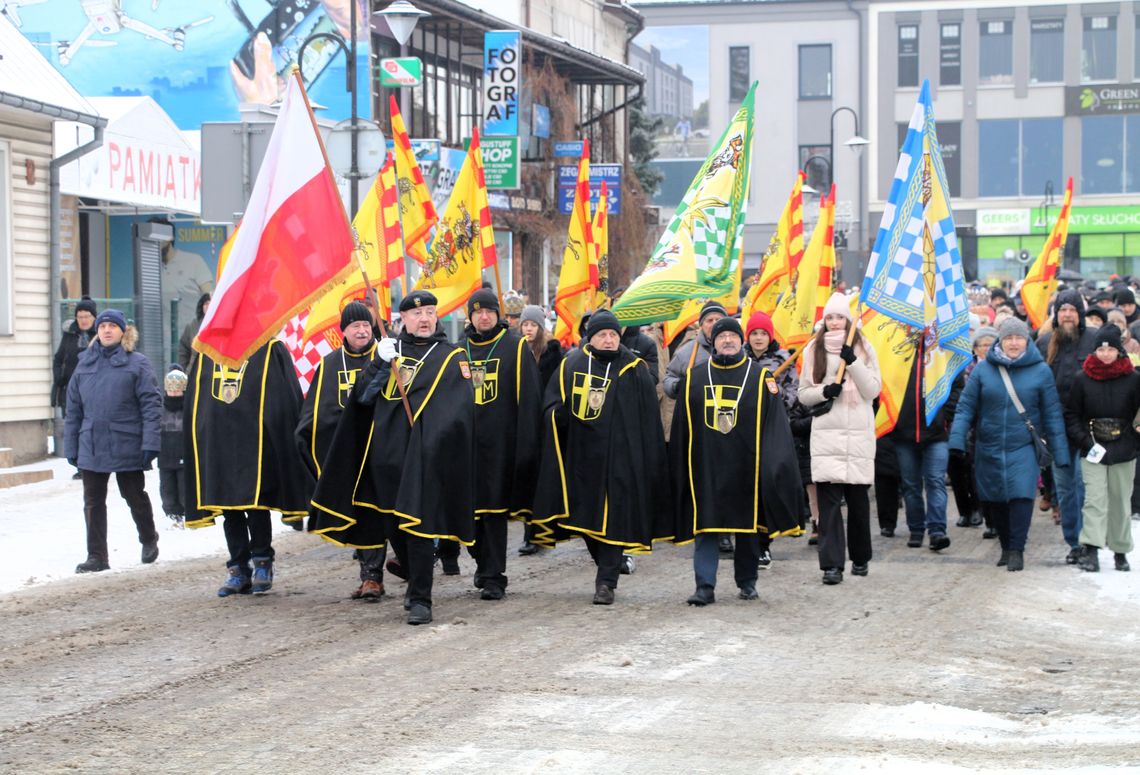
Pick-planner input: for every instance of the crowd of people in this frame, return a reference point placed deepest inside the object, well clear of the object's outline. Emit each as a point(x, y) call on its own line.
point(719, 438)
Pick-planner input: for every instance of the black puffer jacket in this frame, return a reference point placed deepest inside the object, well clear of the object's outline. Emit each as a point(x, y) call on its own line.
point(1118, 399)
point(73, 342)
point(643, 347)
point(548, 362)
point(1070, 357)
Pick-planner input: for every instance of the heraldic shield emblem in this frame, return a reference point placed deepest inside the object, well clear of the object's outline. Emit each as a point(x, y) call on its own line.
point(406, 373)
point(720, 407)
point(226, 383)
point(588, 395)
point(485, 379)
point(344, 382)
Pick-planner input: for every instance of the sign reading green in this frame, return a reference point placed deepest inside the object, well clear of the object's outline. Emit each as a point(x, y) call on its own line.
point(401, 71)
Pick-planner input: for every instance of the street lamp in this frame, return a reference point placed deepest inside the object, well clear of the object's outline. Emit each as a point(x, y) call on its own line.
point(856, 144)
point(402, 18)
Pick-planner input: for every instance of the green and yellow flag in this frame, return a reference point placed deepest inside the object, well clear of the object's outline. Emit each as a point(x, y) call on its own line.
point(695, 257)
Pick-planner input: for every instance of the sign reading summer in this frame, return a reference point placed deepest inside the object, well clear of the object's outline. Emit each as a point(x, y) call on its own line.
point(502, 80)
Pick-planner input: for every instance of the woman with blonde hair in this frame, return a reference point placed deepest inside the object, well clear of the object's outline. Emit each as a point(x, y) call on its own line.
point(843, 438)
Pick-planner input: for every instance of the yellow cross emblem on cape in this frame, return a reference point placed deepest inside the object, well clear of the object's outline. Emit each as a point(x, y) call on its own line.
point(588, 395)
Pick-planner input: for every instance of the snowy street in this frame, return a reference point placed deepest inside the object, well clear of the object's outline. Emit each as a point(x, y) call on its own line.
point(930, 664)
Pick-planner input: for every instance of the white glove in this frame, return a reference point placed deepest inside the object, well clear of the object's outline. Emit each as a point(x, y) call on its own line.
point(387, 349)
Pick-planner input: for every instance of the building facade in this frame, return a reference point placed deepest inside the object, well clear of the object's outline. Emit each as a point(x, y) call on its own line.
point(668, 91)
point(1026, 96)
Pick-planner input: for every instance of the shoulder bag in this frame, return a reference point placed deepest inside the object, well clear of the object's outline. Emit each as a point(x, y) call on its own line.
point(1040, 448)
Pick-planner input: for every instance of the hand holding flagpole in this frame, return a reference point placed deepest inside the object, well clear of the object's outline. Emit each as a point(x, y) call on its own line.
point(357, 254)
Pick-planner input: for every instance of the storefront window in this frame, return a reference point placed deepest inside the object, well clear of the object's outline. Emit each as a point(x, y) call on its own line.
point(908, 55)
point(1102, 154)
point(997, 158)
point(1098, 49)
point(950, 55)
point(1040, 155)
point(995, 48)
point(1046, 50)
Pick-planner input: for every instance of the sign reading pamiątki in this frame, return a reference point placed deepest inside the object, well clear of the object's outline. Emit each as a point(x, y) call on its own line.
point(502, 82)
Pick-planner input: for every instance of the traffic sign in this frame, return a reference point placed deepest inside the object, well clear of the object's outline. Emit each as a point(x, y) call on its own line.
point(401, 71)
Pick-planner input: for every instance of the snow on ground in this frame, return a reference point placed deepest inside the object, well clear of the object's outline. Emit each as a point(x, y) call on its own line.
point(42, 535)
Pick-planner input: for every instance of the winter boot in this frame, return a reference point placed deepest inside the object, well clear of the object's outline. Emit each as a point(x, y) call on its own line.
point(1016, 560)
point(262, 580)
point(1004, 559)
point(92, 565)
point(150, 552)
point(236, 583)
point(1089, 560)
point(1121, 561)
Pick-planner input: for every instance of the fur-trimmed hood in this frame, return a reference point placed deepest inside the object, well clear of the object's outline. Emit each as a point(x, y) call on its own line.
point(129, 342)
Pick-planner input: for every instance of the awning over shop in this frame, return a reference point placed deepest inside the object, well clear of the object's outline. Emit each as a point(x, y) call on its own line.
point(145, 160)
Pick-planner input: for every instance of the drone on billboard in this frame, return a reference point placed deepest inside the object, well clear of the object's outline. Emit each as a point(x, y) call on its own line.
point(106, 17)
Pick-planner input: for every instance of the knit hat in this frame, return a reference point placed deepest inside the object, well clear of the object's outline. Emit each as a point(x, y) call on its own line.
point(1095, 317)
point(837, 305)
point(712, 305)
point(602, 320)
point(727, 324)
point(1124, 296)
point(484, 298)
point(418, 299)
point(86, 305)
point(534, 314)
point(1013, 327)
point(982, 333)
point(111, 316)
point(1101, 296)
point(352, 312)
point(760, 321)
point(1074, 300)
point(1110, 334)
point(176, 379)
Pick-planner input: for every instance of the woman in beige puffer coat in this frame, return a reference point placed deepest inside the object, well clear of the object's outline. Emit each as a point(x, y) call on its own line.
point(842, 439)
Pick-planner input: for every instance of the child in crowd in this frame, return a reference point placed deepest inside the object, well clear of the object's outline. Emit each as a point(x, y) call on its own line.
point(170, 480)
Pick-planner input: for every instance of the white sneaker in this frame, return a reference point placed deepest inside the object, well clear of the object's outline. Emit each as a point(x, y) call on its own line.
point(628, 566)
point(765, 560)
point(1136, 517)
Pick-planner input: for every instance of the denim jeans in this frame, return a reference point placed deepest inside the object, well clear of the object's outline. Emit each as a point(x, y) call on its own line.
point(745, 558)
point(1071, 498)
point(923, 466)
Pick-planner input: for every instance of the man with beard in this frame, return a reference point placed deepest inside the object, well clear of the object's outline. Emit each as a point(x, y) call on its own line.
point(507, 416)
point(733, 461)
point(402, 457)
point(603, 473)
point(330, 392)
point(1065, 349)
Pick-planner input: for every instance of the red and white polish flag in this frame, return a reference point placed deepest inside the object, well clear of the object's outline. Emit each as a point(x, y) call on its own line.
point(293, 243)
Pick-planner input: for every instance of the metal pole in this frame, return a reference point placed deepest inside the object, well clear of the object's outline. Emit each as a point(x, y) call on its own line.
point(350, 71)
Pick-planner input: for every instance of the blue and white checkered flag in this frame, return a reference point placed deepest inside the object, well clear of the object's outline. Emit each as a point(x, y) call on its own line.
point(915, 271)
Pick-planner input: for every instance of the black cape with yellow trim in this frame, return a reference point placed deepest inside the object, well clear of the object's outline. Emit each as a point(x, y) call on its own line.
point(508, 421)
point(330, 392)
point(239, 447)
point(743, 481)
point(377, 465)
point(604, 470)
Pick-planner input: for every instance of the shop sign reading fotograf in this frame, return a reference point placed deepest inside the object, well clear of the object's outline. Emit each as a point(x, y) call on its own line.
point(502, 81)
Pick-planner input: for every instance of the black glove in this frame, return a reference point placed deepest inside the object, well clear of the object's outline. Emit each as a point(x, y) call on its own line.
point(958, 454)
point(832, 390)
point(73, 462)
point(847, 353)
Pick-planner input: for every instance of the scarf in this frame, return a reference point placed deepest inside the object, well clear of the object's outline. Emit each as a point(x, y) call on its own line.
point(1102, 372)
point(833, 341)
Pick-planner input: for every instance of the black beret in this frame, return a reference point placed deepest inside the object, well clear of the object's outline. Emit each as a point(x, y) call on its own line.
point(418, 299)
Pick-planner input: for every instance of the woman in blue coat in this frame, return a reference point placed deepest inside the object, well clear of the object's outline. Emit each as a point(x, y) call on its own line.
point(1005, 463)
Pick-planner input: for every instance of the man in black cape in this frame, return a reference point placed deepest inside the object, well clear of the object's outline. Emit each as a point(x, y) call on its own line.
point(508, 416)
point(329, 393)
point(414, 481)
point(733, 462)
point(603, 474)
point(241, 459)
